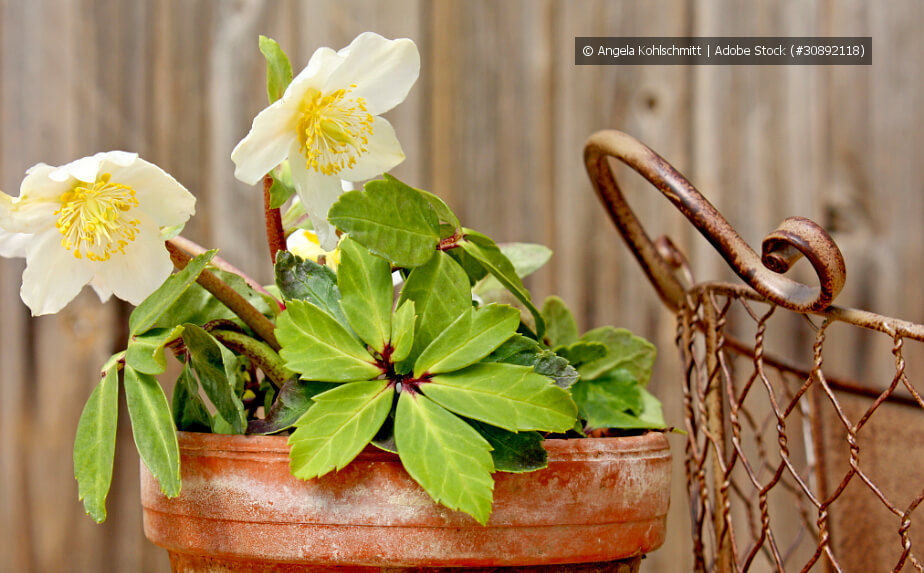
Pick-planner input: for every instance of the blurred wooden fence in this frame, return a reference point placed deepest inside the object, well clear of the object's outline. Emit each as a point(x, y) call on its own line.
point(496, 126)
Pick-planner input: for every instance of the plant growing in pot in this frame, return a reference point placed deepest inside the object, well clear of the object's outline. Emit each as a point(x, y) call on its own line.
point(395, 399)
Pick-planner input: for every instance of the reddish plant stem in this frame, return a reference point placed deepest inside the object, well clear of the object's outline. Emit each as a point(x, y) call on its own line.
point(275, 236)
point(195, 249)
point(230, 298)
point(450, 242)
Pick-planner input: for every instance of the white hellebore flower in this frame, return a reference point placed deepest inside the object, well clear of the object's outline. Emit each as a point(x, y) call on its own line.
point(94, 221)
point(327, 123)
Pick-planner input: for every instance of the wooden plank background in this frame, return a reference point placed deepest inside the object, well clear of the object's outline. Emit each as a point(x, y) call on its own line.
point(495, 125)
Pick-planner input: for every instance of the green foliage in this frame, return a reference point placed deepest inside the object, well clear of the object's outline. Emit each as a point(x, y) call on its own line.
point(486, 252)
point(617, 401)
point(280, 192)
point(365, 285)
point(94, 445)
point(504, 395)
point(278, 68)
point(197, 305)
point(562, 328)
point(150, 310)
point(526, 259)
point(402, 331)
point(303, 279)
point(525, 351)
point(217, 369)
point(440, 293)
point(625, 350)
point(293, 400)
point(468, 339)
point(320, 348)
point(145, 352)
point(338, 427)
point(153, 429)
point(391, 219)
point(583, 352)
point(514, 452)
point(446, 456)
point(189, 411)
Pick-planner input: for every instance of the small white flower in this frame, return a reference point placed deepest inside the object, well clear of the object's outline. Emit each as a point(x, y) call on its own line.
point(94, 221)
point(327, 123)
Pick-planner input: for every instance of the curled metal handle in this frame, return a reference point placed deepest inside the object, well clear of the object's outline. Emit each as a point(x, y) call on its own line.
point(795, 237)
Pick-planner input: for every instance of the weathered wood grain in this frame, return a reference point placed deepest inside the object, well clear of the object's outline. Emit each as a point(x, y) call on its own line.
point(496, 125)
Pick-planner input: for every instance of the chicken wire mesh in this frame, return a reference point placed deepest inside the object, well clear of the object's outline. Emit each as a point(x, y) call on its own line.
point(789, 467)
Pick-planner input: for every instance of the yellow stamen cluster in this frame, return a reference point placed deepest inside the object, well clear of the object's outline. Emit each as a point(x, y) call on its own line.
point(333, 130)
point(95, 220)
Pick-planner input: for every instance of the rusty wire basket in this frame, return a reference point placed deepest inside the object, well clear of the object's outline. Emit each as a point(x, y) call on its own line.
point(782, 464)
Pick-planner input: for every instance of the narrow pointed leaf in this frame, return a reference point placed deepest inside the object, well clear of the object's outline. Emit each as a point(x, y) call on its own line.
point(153, 429)
point(471, 337)
point(402, 331)
point(303, 279)
point(489, 254)
point(294, 399)
point(338, 427)
point(278, 68)
point(504, 395)
point(526, 259)
point(626, 351)
point(145, 352)
point(150, 310)
point(280, 192)
point(445, 455)
point(189, 411)
point(320, 348)
point(365, 284)
point(216, 367)
point(514, 452)
point(391, 219)
point(94, 445)
point(561, 328)
point(440, 291)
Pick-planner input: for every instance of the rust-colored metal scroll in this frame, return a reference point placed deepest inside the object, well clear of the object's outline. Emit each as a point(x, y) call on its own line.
point(774, 468)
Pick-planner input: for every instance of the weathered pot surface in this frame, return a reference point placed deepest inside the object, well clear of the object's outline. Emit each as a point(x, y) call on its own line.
point(600, 500)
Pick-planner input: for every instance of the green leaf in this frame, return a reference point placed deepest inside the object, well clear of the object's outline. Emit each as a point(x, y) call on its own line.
point(582, 352)
point(153, 429)
point(149, 311)
point(468, 339)
point(320, 348)
point(199, 306)
point(189, 411)
point(626, 351)
point(402, 331)
point(278, 68)
point(610, 402)
point(443, 212)
point(216, 367)
point(391, 219)
point(560, 323)
point(440, 293)
point(527, 352)
point(293, 401)
point(488, 254)
point(504, 395)
point(94, 445)
point(145, 352)
point(338, 427)
point(303, 279)
point(280, 192)
point(446, 456)
point(514, 452)
point(365, 285)
point(526, 258)
point(474, 269)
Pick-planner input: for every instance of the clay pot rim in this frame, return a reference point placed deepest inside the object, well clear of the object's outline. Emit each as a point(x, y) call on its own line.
point(654, 443)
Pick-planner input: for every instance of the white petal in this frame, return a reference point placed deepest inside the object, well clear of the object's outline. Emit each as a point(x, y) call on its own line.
point(144, 266)
point(317, 193)
point(383, 70)
point(102, 291)
point(84, 169)
point(383, 152)
point(267, 143)
point(53, 276)
point(159, 195)
point(323, 61)
point(39, 198)
point(13, 244)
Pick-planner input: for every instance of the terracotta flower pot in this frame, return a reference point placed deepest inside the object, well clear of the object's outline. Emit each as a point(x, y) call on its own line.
point(601, 502)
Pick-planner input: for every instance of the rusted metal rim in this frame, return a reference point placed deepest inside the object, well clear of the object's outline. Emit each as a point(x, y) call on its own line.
point(795, 237)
